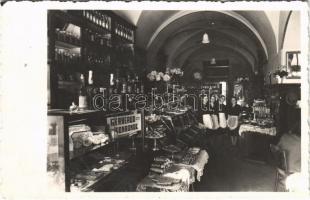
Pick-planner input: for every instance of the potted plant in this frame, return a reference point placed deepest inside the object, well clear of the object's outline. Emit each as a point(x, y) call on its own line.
point(280, 73)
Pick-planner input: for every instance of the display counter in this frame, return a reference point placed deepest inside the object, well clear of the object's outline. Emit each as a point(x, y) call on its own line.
point(175, 175)
point(85, 147)
point(248, 128)
point(255, 141)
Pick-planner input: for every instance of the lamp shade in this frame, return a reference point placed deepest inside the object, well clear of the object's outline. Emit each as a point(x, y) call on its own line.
point(205, 39)
point(213, 62)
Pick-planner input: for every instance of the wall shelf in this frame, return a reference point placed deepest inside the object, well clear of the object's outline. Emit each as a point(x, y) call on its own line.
point(83, 40)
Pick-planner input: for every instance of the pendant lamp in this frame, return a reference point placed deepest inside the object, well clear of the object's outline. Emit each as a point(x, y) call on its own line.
point(205, 39)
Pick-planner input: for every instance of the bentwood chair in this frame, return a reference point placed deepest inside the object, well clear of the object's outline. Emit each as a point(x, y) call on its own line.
point(279, 156)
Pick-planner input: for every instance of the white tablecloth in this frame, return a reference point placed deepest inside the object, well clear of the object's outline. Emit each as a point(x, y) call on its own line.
point(272, 131)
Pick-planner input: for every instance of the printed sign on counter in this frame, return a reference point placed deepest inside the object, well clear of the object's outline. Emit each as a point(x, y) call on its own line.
point(125, 124)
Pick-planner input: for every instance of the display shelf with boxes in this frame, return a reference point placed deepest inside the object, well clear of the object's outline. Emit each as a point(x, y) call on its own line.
point(86, 146)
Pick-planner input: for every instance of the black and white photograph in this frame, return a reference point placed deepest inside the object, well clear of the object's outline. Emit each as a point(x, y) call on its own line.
point(169, 99)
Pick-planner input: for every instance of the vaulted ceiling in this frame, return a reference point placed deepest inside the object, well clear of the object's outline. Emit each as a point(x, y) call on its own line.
point(173, 38)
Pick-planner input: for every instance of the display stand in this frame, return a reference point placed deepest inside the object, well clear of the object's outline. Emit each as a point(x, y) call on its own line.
point(155, 146)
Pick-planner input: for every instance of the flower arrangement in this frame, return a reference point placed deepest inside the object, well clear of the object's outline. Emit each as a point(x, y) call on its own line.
point(154, 76)
point(242, 79)
point(295, 68)
point(167, 76)
point(281, 72)
point(197, 76)
point(174, 73)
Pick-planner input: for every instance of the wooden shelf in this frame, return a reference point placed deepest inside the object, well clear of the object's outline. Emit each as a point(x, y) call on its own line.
point(88, 186)
point(64, 15)
point(95, 28)
point(95, 46)
point(119, 39)
point(68, 84)
point(86, 50)
point(80, 152)
point(66, 45)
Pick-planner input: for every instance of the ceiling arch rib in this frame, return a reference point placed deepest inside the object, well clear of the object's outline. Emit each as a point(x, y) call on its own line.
point(237, 36)
point(147, 24)
point(232, 14)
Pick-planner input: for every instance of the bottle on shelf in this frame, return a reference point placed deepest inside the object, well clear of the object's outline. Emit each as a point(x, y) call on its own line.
point(100, 39)
point(117, 85)
point(120, 30)
point(92, 36)
point(111, 84)
point(92, 17)
point(87, 15)
point(102, 103)
point(106, 26)
point(108, 23)
point(136, 85)
point(90, 78)
point(96, 18)
point(124, 86)
point(129, 84)
point(82, 95)
point(116, 29)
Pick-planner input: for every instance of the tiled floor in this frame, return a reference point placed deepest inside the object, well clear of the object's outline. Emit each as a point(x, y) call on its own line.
point(227, 171)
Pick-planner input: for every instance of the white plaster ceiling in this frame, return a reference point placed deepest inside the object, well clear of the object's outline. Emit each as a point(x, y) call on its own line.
point(132, 16)
point(251, 35)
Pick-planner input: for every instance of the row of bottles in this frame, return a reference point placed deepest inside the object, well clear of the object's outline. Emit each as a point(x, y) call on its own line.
point(90, 45)
point(98, 18)
point(66, 56)
point(100, 39)
point(97, 58)
point(127, 85)
point(117, 86)
point(83, 104)
point(67, 36)
point(124, 32)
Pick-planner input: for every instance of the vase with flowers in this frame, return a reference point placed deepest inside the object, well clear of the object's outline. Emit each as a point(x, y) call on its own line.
point(175, 74)
point(280, 73)
point(156, 78)
point(172, 77)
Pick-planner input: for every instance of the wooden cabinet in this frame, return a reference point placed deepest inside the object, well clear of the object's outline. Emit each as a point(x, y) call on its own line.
point(66, 162)
point(59, 150)
point(84, 40)
point(282, 99)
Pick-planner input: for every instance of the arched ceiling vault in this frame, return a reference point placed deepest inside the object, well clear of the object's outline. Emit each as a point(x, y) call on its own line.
point(232, 14)
point(172, 36)
point(174, 42)
point(220, 39)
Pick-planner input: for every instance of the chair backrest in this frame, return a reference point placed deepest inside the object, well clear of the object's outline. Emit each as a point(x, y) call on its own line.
point(279, 156)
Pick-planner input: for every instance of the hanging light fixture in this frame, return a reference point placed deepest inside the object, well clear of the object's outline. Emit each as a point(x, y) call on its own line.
point(205, 38)
point(213, 61)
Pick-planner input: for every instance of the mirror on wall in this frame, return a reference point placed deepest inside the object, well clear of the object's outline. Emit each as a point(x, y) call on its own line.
point(292, 64)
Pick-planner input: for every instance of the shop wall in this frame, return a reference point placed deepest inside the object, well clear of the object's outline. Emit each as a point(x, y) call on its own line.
point(292, 36)
point(238, 68)
point(289, 40)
